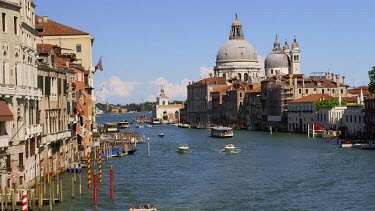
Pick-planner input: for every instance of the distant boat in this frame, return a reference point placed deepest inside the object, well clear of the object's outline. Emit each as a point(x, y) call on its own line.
point(222, 132)
point(156, 121)
point(229, 148)
point(183, 148)
point(75, 166)
point(98, 111)
point(111, 128)
point(123, 125)
point(161, 134)
point(115, 114)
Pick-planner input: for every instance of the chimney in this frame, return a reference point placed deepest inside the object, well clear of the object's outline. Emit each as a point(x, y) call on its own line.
point(327, 75)
point(332, 77)
point(337, 80)
point(303, 81)
point(290, 79)
point(45, 19)
point(343, 79)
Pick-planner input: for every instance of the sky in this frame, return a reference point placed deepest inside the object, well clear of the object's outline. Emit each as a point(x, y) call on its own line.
point(146, 45)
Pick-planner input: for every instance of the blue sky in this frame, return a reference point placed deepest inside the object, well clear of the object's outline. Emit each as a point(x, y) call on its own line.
point(148, 44)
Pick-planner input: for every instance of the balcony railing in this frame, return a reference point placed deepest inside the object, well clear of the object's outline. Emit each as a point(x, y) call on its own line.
point(52, 137)
point(32, 130)
point(22, 91)
point(4, 141)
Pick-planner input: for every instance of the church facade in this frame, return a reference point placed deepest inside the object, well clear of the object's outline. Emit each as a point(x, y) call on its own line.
point(168, 113)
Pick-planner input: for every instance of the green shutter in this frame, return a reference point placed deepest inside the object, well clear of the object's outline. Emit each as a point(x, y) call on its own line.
point(59, 86)
point(68, 107)
point(65, 86)
point(48, 86)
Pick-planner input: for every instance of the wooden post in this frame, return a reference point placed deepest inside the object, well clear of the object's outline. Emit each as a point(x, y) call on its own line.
point(148, 147)
point(95, 191)
point(313, 131)
point(33, 200)
point(111, 187)
point(100, 166)
point(50, 196)
point(57, 184)
point(89, 169)
point(2, 199)
point(53, 192)
point(271, 129)
point(308, 130)
point(12, 199)
point(61, 192)
point(74, 172)
point(44, 186)
point(72, 187)
point(80, 184)
point(40, 201)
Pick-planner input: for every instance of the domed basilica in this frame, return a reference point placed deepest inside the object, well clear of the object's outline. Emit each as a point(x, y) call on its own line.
point(283, 61)
point(237, 58)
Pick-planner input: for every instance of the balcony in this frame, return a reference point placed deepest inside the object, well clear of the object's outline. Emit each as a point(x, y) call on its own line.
point(8, 90)
point(52, 137)
point(32, 130)
point(4, 141)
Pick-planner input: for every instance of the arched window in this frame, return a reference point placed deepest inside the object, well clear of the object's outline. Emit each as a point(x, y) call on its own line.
point(239, 76)
point(165, 115)
point(246, 77)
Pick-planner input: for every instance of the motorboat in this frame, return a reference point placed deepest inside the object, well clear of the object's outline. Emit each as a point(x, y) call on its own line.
point(183, 148)
point(229, 148)
point(75, 166)
point(346, 144)
point(123, 125)
point(139, 125)
point(222, 132)
point(161, 134)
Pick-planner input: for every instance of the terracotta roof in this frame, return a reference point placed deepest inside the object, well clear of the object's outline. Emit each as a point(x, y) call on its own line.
point(220, 89)
point(51, 28)
point(350, 99)
point(212, 80)
point(357, 90)
point(258, 89)
point(44, 48)
point(312, 98)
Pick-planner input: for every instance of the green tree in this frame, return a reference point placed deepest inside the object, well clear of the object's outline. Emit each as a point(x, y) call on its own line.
point(371, 75)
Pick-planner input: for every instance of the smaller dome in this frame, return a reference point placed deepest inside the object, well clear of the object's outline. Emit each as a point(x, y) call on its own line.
point(295, 43)
point(276, 59)
point(286, 47)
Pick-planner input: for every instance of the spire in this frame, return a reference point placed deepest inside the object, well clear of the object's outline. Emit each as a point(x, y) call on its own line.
point(276, 44)
point(236, 32)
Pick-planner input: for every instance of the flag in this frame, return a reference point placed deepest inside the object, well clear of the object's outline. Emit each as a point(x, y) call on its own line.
point(99, 65)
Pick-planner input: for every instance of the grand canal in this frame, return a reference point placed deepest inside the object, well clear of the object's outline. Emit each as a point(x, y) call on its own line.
point(281, 171)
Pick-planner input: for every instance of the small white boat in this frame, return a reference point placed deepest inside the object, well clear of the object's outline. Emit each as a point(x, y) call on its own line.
point(183, 148)
point(229, 148)
point(222, 132)
point(139, 126)
point(149, 125)
point(161, 134)
point(346, 144)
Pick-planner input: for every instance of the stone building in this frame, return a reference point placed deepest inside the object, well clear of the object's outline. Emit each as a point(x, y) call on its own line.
point(77, 45)
point(20, 129)
point(279, 90)
point(253, 107)
point(168, 113)
point(53, 73)
point(370, 117)
point(237, 58)
point(199, 99)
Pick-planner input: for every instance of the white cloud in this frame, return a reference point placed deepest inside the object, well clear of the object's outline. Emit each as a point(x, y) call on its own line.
point(114, 88)
point(205, 72)
point(173, 91)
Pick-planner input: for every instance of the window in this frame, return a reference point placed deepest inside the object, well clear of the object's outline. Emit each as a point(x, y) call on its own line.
point(78, 48)
point(15, 25)
point(3, 22)
point(20, 159)
point(307, 91)
point(300, 91)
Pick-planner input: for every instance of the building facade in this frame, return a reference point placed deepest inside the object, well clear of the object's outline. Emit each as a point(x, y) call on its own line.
point(168, 113)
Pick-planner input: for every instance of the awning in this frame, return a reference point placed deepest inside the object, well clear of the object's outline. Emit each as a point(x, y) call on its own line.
point(5, 113)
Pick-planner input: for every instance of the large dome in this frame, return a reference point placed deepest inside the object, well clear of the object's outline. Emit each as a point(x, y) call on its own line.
point(236, 50)
point(276, 59)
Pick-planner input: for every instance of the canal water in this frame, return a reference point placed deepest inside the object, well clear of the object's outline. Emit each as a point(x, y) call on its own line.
point(281, 171)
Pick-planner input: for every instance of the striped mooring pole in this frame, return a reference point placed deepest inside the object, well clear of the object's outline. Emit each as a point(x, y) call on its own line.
point(24, 201)
point(88, 169)
point(100, 166)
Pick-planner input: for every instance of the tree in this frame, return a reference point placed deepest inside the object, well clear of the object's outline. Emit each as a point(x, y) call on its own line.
point(371, 75)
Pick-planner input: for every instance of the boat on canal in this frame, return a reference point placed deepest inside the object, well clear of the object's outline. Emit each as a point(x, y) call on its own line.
point(74, 166)
point(161, 134)
point(346, 144)
point(183, 148)
point(123, 125)
point(222, 132)
point(229, 148)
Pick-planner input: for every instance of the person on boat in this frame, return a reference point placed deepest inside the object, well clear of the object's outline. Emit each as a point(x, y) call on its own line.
point(132, 208)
